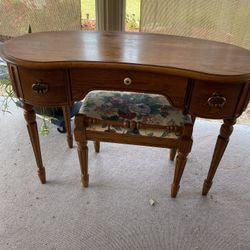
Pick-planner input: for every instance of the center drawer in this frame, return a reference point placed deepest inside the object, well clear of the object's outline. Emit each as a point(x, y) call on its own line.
point(84, 80)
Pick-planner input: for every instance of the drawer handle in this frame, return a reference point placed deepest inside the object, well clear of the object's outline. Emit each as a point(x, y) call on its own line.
point(216, 100)
point(40, 87)
point(127, 81)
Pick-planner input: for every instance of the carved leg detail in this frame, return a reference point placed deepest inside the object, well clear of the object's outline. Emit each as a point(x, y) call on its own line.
point(30, 118)
point(183, 151)
point(66, 114)
point(172, 154)
point(97, 146)
point(220, 147)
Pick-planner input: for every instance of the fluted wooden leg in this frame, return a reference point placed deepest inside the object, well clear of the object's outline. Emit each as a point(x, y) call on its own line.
point(82, 148)
point(30, 118)
point(185, 147)
point(172, 154)
point(66, 114)
point(97, 146)
point(220, 147)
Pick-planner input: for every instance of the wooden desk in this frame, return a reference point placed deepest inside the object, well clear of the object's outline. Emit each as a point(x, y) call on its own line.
point(203, 78)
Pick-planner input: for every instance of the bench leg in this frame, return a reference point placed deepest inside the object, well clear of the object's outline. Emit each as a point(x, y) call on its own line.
point(184, 149)
point(172, 154)
point(97, 146)
point(82, 150)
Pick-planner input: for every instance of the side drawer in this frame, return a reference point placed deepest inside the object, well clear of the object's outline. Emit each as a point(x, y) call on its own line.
point(84, 80)
point(214, 100)
point(43, 87)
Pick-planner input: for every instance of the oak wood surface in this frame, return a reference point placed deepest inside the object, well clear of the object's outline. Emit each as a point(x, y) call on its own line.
point(86, 79)
point(190, 57)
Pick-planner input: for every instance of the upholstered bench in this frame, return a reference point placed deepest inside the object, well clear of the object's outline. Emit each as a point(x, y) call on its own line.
point(132, 118)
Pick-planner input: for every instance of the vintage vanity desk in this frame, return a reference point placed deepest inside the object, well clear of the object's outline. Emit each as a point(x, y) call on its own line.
point(203, 78)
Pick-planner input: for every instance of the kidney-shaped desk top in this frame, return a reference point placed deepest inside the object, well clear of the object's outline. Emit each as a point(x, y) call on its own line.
point(203, 78)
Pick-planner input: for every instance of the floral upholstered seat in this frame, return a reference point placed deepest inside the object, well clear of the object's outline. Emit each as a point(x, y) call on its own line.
point(132, 118)
point(153, 112)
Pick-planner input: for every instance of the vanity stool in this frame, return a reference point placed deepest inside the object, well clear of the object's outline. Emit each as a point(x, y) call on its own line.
point(132, 118)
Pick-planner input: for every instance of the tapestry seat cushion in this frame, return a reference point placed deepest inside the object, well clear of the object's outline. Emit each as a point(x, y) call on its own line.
point(148, 109)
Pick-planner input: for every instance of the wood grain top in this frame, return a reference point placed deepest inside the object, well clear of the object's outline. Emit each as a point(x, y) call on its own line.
point(190, 57)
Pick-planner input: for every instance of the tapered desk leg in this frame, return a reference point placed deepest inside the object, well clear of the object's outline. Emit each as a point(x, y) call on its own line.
point(221, 144)
point(30, 118)
point(184, 149)
point(66, 113)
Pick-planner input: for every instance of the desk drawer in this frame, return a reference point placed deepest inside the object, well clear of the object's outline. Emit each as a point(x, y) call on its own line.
point(41, 87)
point(84, 80)
point(214, 100)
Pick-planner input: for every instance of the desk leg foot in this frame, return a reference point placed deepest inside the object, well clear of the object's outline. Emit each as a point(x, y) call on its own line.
point(220, 147)
point(206, 187)
point(66, 114)
point(183, 151)
point(30, 118)
point(42, 175)
point(174, 190)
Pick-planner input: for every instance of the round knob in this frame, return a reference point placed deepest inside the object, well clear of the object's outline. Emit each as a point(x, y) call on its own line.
point(127, 81)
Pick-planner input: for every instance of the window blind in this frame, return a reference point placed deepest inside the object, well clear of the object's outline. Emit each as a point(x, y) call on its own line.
point(41, 15)
point(219, 20)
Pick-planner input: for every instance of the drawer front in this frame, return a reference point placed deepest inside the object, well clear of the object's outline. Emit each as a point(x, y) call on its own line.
point(43, 87)
point(84, 80)
point(214, 100)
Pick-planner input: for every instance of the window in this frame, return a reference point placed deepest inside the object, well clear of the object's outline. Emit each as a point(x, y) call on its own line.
point(88, 15)
point(132, 18)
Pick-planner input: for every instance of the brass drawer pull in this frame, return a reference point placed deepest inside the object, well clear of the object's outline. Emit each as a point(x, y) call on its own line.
point(40, 87)
point(216, 100)
point(127, 81)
